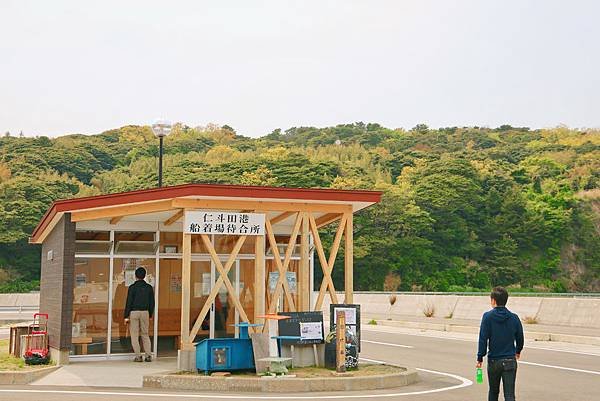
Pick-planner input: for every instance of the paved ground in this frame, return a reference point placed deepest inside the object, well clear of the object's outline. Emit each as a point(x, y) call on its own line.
point(548, 372)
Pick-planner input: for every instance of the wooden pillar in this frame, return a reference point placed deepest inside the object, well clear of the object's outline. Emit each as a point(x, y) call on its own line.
point(259, 278)
point(304, 269)
point(349, 260)
point(186, 276)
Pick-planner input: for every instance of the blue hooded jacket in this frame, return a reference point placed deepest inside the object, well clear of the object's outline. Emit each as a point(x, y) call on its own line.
point(503, 330)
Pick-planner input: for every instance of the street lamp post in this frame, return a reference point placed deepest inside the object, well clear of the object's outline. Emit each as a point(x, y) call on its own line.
point(161, 128)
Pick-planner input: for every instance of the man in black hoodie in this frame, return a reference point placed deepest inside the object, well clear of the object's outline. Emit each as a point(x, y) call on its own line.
point(503, 331)
point(138, 312)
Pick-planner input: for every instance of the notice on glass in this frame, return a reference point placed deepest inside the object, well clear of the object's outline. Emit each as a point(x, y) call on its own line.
point(311, 330)
point(129, 277)
point(349, 312)
point(291, 280)
point(206, 283)
point(197, 289)
point(273, 277)
point(175, 282)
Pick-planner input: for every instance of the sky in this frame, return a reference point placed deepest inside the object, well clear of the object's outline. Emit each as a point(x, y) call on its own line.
point(86, 67)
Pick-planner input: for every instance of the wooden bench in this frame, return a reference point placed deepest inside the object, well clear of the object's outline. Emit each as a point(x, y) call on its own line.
point(83, 342)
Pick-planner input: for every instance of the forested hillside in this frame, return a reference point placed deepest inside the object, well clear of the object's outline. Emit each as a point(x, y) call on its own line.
point(464, 208)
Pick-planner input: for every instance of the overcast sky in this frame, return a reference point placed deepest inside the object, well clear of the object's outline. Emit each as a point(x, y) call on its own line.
point(85, 67)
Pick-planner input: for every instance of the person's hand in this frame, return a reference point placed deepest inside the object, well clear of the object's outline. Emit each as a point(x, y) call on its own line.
point(126, 320)
point(478, 366)
point(518, 356)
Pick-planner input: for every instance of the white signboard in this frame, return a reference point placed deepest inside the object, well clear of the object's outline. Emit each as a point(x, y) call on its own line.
point(349, 312)
point(311, 330)
point(223, 223)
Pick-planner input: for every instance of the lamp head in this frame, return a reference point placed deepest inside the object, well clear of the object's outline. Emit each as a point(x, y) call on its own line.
point(161, 128)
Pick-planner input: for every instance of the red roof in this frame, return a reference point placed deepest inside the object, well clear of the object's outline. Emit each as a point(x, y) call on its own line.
point(217, 190)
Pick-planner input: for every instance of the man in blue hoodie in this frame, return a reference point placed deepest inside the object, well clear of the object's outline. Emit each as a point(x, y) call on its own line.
point(503, 332)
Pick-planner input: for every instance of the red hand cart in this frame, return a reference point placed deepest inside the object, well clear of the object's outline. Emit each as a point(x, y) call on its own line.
point(36, 342)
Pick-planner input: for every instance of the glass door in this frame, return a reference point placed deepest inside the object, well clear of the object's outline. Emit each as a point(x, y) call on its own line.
point(123, 276)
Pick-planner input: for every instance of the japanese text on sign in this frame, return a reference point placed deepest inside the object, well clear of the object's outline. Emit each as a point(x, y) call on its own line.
point(223, 223)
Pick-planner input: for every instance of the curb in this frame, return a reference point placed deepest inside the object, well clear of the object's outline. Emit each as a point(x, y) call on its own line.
point(25, 377)
point(280, 385)
point(529, 335)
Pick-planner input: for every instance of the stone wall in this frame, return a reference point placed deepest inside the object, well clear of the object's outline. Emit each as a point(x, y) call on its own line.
point(56, 284)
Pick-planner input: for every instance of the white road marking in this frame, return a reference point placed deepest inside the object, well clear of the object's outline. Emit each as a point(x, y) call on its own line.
point(388, 344)
point(593, 372)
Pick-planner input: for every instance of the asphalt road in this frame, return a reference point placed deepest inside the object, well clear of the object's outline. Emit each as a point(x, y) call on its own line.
point(572, 374)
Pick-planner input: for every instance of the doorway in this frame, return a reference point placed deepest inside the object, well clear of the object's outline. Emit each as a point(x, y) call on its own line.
point(222, 317)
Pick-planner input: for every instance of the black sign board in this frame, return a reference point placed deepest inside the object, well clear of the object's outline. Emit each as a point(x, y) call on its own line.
point(306, 325)
point(352, 318)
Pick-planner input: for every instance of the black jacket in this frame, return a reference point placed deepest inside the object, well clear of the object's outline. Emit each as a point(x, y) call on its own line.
point(504, 332)
point(140, 296)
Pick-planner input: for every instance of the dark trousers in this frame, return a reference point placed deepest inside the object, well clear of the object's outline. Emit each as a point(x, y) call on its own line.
point(505, 370)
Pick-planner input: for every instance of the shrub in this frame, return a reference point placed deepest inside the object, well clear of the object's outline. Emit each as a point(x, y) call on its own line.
point(429, 310)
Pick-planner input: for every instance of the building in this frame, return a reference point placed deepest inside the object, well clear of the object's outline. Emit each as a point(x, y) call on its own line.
point(215, 254)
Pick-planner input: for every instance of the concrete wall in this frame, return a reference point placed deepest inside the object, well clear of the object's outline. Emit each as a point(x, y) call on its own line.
point(31, 300)
point(573, 312)
point(56, 284)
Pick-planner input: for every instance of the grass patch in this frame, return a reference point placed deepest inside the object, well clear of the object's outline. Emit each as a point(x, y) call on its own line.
point(7, 361)
point(429, 310)
point(530, 320)
point(11, 363)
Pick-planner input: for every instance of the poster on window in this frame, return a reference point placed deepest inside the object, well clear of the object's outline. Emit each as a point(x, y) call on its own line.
point(223, 223)
point(175, 284)
point(129, 276)
point(206, 284)
point(291, 280)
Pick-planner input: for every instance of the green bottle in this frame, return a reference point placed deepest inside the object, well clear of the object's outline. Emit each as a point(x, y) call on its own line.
point(479, 375)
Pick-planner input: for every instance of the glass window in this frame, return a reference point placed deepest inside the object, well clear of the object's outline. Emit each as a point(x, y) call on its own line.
point(90, 306)
point(246, 285)
point(93, 235)
point(292, 279)
point(135, 243)
point(134, 236)
point(171, 242)
point(123, 277)
point(224, 244)
point(198, 245)
point(282, 244)
point(93, 242)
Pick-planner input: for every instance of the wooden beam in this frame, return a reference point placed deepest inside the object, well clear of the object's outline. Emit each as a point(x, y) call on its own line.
point(349, 260)
point(186, 278)
point(174, 218)
point(282, 284)
point(281, 217)
point(223, 278)
point(327, 282)
point(259, 278)
point(178, 203)
point(328, 219)
point(304, 268)
point(115, 220)
point(125, 210)
point(223, 274)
